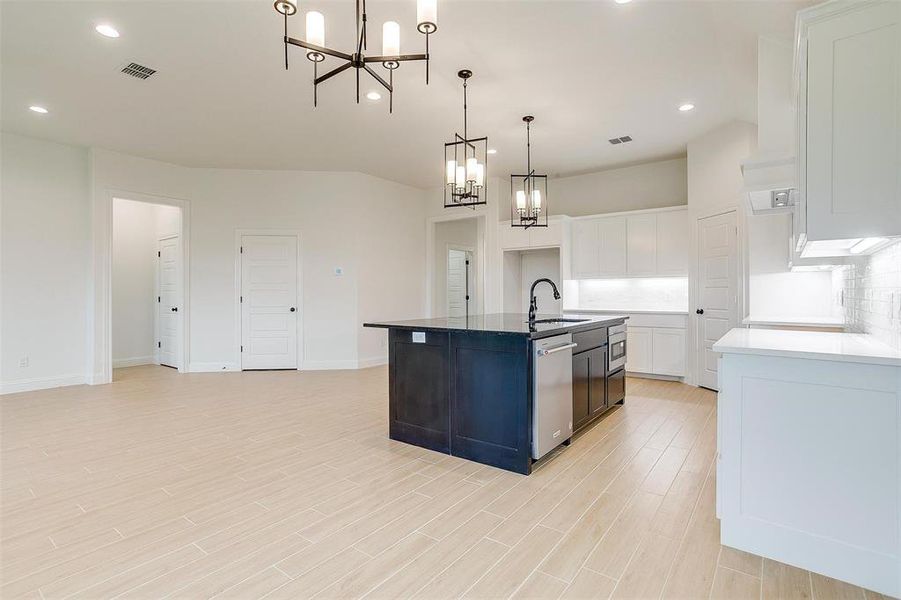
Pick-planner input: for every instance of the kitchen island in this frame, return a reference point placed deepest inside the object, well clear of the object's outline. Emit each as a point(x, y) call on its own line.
point(466, 386)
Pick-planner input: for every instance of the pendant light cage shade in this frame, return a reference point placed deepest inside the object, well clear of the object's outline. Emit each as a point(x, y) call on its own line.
point(528, 192)
point(466, 169)
point(465, 164)
point(528, 207)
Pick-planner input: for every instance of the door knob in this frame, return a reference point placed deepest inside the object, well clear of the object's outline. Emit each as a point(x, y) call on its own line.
point(700, 311)
point(174, 309)
point(293, 309)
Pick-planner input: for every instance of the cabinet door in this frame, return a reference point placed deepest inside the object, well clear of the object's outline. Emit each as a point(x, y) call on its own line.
point(853, 145)
point(542, 237)
point(597, 387)
point(639, 349)
point(586, 250)
point(612, 235)
point(672, 243)
point(641, 244)
point(513, 238)
point(669, 352)
point(581, 410)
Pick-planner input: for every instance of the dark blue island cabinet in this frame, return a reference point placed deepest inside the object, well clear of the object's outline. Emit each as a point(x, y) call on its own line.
point(464, 386)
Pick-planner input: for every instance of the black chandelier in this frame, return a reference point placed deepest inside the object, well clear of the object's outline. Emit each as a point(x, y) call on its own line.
point(427, 23)
point(528, 193)
point(465, 174)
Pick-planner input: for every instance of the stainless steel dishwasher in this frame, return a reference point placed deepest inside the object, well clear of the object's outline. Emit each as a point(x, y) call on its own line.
point(552, 393)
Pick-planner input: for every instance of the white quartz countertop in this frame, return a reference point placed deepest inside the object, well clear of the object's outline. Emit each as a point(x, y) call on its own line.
point(816, 345)
point(794, 321)
point(624, 311)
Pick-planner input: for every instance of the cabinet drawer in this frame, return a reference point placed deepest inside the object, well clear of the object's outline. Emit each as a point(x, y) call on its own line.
point(587, 340)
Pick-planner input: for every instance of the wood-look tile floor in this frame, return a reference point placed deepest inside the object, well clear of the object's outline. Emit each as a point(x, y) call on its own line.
point(284, 485)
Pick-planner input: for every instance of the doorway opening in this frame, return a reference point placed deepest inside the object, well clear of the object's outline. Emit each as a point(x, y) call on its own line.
point(147, 285)
point(457, 289)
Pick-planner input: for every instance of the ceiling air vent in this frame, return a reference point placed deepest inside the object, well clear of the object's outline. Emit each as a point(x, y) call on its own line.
point(620, 140)
point(136, 70)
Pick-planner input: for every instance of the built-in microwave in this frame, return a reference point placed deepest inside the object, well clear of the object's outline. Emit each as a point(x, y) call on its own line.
point(616, 354)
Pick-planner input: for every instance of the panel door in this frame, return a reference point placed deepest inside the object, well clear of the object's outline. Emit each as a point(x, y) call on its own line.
point(639, 349)
point(641, 245)
point(586, 249)
point(459, 281)
point(612, 235)
point(853, 144)
point(597, 385)
point(169, 319)
point(718, 290)
point(268, 302)
point(581, 407)
point(672, 243)
point(669, 352)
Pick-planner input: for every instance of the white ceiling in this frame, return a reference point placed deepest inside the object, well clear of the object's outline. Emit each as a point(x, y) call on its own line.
point(588, 71)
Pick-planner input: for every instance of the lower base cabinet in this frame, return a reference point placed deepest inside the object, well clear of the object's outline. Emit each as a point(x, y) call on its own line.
point(589, 386)
point(655, 350)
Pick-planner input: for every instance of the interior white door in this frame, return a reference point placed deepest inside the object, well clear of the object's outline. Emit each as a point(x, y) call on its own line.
point(717, 309)
point(168, 301)
point(459, 282)
point(268, 302)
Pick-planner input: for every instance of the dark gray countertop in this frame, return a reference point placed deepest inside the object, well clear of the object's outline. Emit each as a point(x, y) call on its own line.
point(504, 323)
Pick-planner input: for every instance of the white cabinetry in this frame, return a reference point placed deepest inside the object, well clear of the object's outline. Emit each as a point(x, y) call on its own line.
point(639, 349)
point(672, 243)
point(520, 238)
point(641, 244)
point(668, 353)
point(849, 107)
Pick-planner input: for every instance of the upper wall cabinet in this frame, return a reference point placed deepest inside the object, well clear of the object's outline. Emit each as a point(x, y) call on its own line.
point(848, 66)
point(645, 244)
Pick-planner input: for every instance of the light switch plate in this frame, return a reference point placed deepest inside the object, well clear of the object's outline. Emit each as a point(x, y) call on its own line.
point(419, 337)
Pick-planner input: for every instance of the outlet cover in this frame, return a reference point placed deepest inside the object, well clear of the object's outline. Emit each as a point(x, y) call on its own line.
point(23, 362)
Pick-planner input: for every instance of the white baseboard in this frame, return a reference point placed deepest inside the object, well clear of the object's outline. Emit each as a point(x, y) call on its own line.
point(135, 361)
point(328, 365)
point(212, 367)
point(375, 361)
point(40, 383)
point(653, 376)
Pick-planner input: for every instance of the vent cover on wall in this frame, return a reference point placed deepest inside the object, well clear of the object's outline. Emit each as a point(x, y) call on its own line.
point(136, 70)
point(620, 140)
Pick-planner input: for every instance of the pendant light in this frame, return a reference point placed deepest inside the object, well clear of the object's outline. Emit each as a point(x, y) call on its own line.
point(466, 163)
point(528, 193)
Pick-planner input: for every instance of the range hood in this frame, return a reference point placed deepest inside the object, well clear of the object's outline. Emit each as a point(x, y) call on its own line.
point(771, 175)
point(770, 183)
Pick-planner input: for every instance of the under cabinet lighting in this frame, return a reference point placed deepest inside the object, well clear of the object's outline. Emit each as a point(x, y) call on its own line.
point(865, 244)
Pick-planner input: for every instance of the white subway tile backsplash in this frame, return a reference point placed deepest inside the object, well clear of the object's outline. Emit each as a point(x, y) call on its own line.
point(639, 293)
point(871, 295)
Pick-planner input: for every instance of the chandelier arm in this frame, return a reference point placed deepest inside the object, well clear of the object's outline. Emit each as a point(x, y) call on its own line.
point(332, 73)
point(377, 77)
point(286, 41)
point(397, 58)
point(364, 26)
point(427, 61)
point(320, 49)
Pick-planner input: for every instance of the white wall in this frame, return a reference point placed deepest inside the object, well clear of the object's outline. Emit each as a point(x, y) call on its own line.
point(53, 275)
point(650, 185)
point(462, 232)
point(137, 229)
point(44, 276)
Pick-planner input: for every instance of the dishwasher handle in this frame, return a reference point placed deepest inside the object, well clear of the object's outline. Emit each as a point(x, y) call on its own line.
point(560, 348)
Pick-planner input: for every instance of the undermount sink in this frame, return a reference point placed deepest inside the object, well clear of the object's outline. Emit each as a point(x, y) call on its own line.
point(559, 321)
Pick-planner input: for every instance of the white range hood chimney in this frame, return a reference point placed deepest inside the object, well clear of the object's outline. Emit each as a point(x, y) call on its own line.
point(770, 176)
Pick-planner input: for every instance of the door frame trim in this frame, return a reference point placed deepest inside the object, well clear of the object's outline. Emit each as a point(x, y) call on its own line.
point(459, 248)
point(482, 225)
point(100, 332)
point(240, 233)
point(156, 289)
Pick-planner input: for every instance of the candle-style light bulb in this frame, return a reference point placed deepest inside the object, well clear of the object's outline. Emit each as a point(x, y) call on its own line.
point(427, 16)
point(480, 175)
point(315, 28)
point(460, 179)
point(471, 167)
point(520, 200)
point(536, 201)
point(451, 171)
point(390, 39)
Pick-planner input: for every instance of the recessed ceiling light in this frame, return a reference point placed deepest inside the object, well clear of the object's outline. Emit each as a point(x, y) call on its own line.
point(107, 31)
point(622, 1)
point(38, 109)
point(492, 151)
point(374, 96)
point(687, 107)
